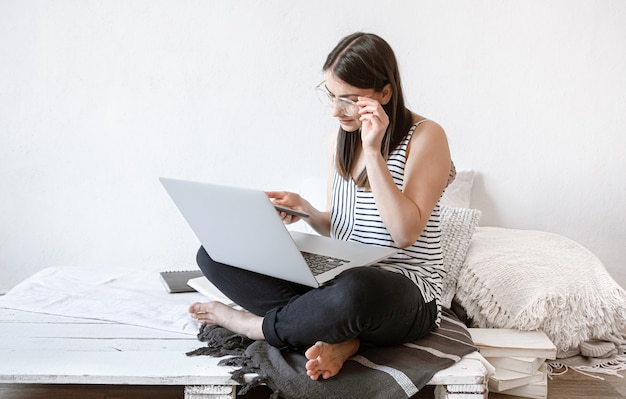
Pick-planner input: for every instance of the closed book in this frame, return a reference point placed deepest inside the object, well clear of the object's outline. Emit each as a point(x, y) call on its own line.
point(538, 390)
point(175, 281)
point(206, 288)
point(526, 365)
point(504, 342)
point(504, 379)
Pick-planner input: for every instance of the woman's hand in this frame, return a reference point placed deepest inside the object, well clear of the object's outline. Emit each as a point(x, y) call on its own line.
point(318, 220)
point(374, 122)
point(288, 200)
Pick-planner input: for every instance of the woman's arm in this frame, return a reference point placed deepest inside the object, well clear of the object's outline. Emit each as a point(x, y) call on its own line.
point(405, 213)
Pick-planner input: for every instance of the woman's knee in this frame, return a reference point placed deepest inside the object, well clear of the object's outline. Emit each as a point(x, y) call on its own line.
point(369, 290)
point(359, 289)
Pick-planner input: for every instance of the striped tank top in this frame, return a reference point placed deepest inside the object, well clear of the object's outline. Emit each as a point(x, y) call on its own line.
point(355, 217)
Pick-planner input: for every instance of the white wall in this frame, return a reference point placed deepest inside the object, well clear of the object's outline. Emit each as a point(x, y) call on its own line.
point(100, 98)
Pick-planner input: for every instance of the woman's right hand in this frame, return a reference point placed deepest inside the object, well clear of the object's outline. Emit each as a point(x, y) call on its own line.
point(288, 200)
point(318, 220)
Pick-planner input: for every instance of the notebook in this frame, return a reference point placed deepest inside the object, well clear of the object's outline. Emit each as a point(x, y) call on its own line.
point(175, 281)
point(240, 227)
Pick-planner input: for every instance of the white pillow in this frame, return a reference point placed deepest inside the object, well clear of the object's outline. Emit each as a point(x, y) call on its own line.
point(457, 227)
point(458, 193)
point(533, 280)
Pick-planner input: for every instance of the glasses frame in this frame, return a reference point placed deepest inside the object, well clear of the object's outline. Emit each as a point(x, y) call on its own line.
point(346, 106)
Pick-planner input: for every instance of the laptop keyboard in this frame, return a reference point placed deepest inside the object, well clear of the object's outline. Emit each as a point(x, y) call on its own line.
point(321, 263)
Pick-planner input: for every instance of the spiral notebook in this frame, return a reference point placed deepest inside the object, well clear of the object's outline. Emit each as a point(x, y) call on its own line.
point(175, 281)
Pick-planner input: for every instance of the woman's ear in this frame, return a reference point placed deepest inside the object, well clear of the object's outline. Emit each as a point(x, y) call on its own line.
point(386, 93)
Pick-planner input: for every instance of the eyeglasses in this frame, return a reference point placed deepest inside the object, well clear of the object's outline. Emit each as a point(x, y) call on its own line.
point(346, 106)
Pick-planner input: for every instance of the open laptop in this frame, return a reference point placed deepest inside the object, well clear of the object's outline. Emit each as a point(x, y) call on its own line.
point(240, 227)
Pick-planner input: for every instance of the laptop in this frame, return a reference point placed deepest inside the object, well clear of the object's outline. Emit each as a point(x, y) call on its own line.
point(240, 227)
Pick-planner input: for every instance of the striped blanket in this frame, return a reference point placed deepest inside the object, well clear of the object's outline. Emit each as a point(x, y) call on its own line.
point(374, 372)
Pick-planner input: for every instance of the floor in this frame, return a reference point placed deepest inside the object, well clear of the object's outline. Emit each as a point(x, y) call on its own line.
point(571, 385)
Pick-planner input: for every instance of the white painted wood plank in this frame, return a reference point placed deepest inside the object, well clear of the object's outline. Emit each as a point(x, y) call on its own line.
point(92, 337)
point(40, 348)
point(466, 371)
point(18, 323)
point(210, 392)
point(134, 368)
point(77, 330)
point(99, 345)
point(14, 315)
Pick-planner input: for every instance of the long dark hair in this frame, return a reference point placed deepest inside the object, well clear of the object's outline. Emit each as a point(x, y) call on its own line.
point(366, 61)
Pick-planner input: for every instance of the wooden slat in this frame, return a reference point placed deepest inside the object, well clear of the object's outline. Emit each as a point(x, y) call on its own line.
point(46, 349)
point(84, 330)
point(99, 345)
point(14, 315)
point(134, 368)
point(39, 348)
point(466, 371)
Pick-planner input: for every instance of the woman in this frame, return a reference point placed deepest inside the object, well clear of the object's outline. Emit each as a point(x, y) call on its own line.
point(389, 167)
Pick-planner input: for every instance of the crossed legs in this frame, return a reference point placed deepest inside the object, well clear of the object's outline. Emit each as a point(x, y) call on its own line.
point(325, 360)
point(362, 304)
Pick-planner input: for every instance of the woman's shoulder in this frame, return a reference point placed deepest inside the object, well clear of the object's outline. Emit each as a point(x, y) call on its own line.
point(424, 123)
point(428, 139)
point(428, 155)
point(427, 129)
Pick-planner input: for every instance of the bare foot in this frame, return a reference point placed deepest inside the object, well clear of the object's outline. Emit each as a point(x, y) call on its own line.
point(238, 321)
point(325, 360)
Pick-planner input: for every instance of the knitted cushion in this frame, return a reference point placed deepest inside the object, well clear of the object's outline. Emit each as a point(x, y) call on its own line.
point(532, 280)
point(457, 227)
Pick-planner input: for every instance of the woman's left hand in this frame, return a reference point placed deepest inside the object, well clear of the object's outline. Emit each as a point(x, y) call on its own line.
point(374, 122)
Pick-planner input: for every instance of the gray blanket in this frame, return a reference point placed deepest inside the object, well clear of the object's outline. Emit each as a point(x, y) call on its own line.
point(374, 372)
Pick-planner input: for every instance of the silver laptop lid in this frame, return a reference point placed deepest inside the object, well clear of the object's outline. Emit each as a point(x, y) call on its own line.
point(239, 227)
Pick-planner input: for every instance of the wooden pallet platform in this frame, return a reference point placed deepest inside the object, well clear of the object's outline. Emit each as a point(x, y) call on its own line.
point(40, 349)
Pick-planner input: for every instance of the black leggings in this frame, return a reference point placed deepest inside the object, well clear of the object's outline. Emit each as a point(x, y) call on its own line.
point(377, 306)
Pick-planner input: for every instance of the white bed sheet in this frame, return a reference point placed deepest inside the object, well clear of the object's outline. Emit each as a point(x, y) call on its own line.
point(135, 297)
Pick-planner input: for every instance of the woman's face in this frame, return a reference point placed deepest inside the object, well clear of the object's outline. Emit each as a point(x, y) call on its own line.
point(343, 98)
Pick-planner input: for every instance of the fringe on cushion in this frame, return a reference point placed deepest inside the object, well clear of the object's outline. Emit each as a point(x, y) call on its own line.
point(222, 342)
point(246, 369)
point(608, 367)
point(570, 321)
point(596, 357)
